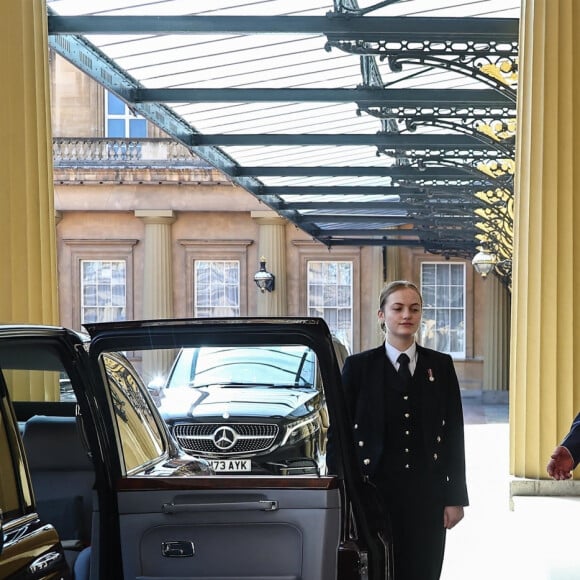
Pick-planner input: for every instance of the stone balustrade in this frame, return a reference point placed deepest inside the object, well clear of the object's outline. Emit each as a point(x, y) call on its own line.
point(74, 151)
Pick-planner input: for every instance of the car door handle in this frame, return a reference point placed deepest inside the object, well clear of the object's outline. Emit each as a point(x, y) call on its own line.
point(179, 549)
point(266, 505)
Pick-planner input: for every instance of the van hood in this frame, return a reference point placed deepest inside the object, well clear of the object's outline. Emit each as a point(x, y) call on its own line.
point(224, 402)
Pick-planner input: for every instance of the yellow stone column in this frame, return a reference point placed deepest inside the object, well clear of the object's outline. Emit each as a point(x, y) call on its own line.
point(272, 246)
point(545, 357)
point(28, 292)
point(496, 341)
point(157, 283)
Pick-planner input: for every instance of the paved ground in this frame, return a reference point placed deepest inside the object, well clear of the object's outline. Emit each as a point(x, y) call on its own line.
point(534, 541)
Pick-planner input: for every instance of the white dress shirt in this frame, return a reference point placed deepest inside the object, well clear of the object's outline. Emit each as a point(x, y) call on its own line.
point(411, 352)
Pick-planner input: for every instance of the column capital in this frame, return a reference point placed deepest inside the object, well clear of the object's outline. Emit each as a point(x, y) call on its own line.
point(156, 216)
point(268, 218)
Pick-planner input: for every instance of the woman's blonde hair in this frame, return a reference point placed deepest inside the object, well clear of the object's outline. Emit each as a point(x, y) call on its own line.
point(393, 287)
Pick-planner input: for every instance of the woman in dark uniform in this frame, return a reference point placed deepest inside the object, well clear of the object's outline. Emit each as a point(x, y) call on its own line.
point(408, 428)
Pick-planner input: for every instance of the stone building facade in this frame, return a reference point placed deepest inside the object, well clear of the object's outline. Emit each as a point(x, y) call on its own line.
point(156, 222)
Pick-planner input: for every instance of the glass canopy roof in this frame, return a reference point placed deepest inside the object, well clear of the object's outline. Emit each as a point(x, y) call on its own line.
point(369, 123)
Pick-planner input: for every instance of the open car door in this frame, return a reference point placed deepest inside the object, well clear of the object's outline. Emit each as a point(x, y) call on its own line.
point(254, 496)
point(33, 546)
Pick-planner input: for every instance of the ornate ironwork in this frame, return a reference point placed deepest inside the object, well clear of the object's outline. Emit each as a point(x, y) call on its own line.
point(441, 155)
point(496, 125)
point(495, 64)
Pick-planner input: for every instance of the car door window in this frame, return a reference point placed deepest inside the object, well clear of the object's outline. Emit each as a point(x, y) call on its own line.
point(9, 496)
point(140, 438)
point(248, 410)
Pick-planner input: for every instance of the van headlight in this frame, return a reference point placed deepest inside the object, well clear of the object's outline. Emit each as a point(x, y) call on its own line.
point(299, 430)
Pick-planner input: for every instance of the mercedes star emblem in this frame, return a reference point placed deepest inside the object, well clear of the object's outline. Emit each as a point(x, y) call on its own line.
point(225, 438)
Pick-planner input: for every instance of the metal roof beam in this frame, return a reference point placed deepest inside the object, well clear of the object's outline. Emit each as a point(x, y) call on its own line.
point(339, 190)
point(394, 28)
point(429, 173)
point(388, 220)
point(363, 241)
point(292, 190)
point(408, 98)
point(401, 234)
point(453, 249)
point(376, 205)
point(384, 140)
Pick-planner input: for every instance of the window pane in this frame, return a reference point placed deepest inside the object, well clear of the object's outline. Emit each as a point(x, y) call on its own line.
point(456, 275)
point(89, 315)
point(118, 295)
point(216, 288)
point(116, 128)
point(344, 296)
point(122, 122)
point(202, 272)
point(105, 271)
point(137, 128)
point(115, 105)
point(90, 272)
point(103, 290)
point(331, 272)
point(443, 323)
point(315, 296)
point(90, 295)
point(232, 273)
point(315, 273)
point(232, 295)
point(330, 296)
point(442, 299)
point(428, 296)
point(217, 295)
point(202, 295)
point(456, 296)
point(217, 273)
point(428, 274)
point(345, 274)
point(104, 295)
point(443, 275)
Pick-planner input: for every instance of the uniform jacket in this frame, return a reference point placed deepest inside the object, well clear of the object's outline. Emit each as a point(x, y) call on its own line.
point(365, 377)
point(572, 440)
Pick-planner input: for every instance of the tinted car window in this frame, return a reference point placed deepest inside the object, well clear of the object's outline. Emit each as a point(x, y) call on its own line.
point(141, 440)
point(9, 502)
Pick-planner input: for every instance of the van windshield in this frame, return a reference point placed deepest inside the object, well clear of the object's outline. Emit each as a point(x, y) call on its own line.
point(252, 365)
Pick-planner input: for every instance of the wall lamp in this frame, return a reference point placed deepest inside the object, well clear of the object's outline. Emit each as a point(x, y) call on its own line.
point(264, 280)
point(485, 262)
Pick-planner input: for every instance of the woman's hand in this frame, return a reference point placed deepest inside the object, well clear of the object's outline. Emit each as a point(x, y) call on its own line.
point(452, 515)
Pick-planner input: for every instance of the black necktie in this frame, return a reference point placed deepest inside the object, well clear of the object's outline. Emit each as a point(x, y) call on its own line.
point(404, 371)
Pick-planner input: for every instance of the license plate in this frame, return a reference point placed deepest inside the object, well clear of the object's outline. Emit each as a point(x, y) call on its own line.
point(222, 465)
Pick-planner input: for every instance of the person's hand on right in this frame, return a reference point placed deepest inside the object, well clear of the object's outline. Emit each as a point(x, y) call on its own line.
point(561, 464)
